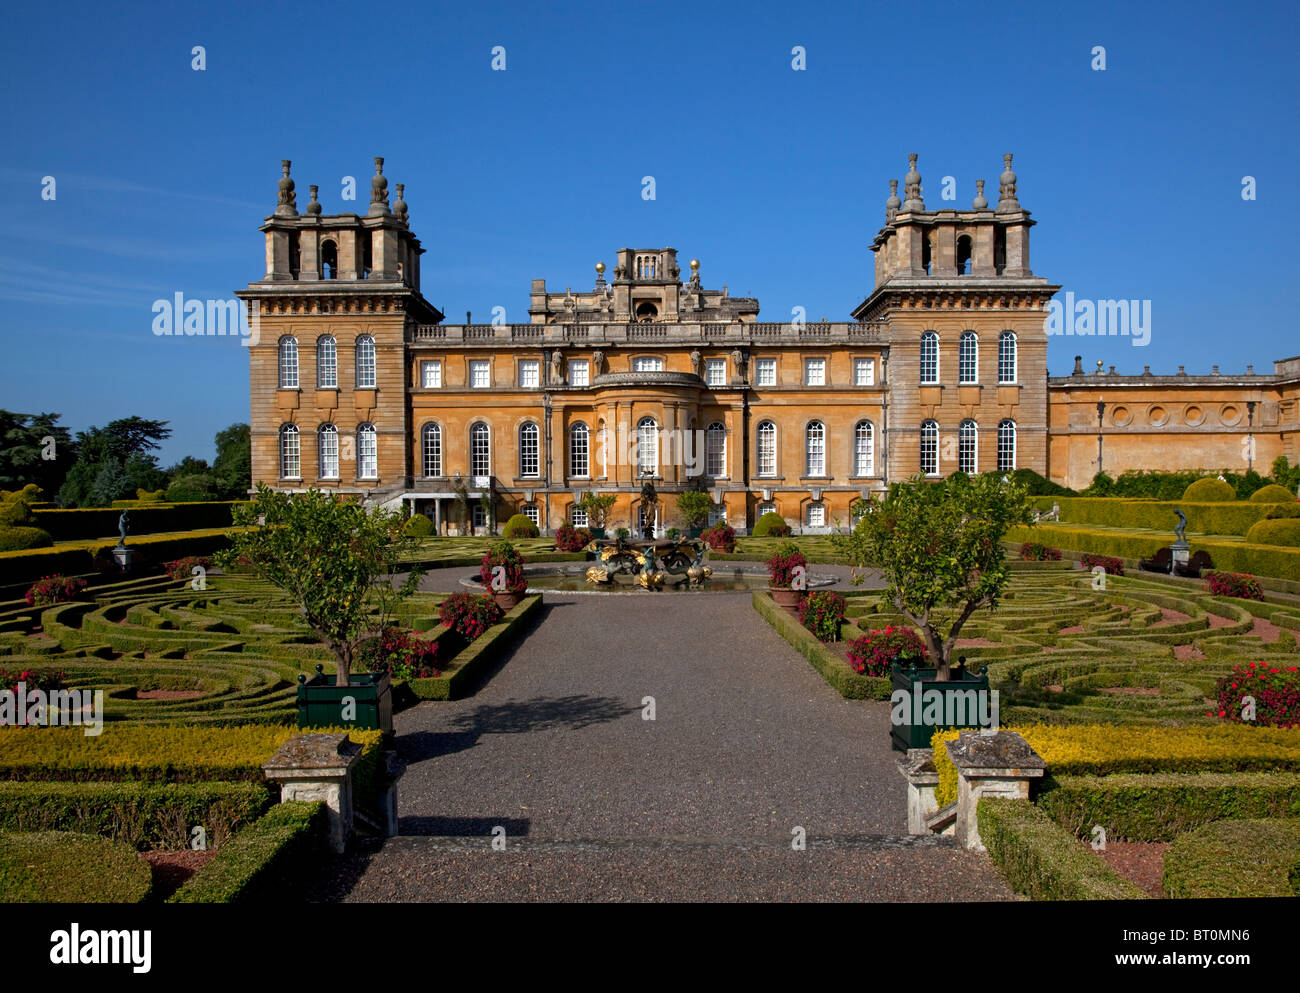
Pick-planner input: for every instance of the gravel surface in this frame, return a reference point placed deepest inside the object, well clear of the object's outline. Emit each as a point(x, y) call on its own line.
point(747, 744)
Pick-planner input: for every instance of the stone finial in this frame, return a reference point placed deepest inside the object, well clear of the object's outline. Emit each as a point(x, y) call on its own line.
point(1078, 366)
point(379, 189)
point(1007, 201)
point(893, 203)
point(1099, 365)
point(600, 275)
point(980, 202)
point(287, 204)
point(1214, 370)
point(313, 207)
point(1250, 370)
point(1182, 371)
point(1146, 370)
point(912, 186)
point(399, 206)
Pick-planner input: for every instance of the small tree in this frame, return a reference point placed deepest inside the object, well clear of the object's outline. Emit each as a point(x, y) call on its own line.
point(694, 506)
point(335, 560)
point(597, 506)
point(939, 545)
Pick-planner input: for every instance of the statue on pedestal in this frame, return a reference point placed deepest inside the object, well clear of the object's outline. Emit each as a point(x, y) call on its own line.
point(122, 527)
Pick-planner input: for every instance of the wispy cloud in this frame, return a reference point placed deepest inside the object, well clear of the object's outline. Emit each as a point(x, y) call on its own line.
point(109, 184)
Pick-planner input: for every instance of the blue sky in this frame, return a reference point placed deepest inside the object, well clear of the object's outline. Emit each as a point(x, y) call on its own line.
point(775, 178)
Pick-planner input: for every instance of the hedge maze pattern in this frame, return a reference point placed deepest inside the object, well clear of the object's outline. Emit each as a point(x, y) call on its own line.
point(1140, 651)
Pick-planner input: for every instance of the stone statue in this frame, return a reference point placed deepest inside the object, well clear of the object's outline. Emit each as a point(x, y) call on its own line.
point(597, 362)
point(649, 499)
point(1182, 526)
point(738, 362)
point(557, 368)
point(122, 528)
point(695, 361)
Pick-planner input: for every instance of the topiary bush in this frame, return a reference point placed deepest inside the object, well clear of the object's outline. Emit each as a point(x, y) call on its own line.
point(1209, 490)
point(1272, 493)
point(571, 539)
point(1282, 511)
point(419, 526)
point(62, 867)
point(519, 526)
point(771, 525)
point(1284, 532)
point(16, 539)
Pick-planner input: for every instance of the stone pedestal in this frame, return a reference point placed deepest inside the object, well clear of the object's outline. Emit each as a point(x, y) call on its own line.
point(125, 558)
point(318, 767)
point(1179, 555)
point(922, 778)
point(992, 765)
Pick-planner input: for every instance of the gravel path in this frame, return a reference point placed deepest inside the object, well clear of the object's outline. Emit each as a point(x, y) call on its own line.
point(747, 745)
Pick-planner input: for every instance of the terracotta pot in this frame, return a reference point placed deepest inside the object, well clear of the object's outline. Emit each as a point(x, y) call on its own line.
point(786, 598)
point(507, 601)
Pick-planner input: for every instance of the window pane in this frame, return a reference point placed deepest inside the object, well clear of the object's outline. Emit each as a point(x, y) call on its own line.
point(715, 450)
point(329, 452)
point(367, 452)
point(1007, 446)
point(578, 450)
point(816, 515)
point(864, 372)
point(967, 439)
point(529, 463)
point(767, 449)
point(864, 449)
point(327, 363)
point(816, 449)
point(288, 364)
point(929, 357)
point(579, 372)
point(432, 450)
point(479, 455)
point(366, 363)
point(647, 447)
point(648, 363)
point(290, 454)
point(815, 372)
point(929, 448)
point(766, 372)
point(579, 518)
point(715, 372)
point(968, 359)
point(479, 374)
point(528, 372)
point(431, 375)
point(534, 514)
point(1006, 357)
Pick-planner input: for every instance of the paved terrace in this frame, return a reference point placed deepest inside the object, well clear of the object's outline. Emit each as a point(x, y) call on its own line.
point(748, 742)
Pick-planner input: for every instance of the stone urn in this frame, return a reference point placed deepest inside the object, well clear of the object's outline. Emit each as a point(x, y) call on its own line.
point(507, 601)
point(786, 598)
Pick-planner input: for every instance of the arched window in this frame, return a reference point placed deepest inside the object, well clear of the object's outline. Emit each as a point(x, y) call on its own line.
point(968, 358)
point(579, 450)
point(927, 253)
point(767, 449)
point(365, 362)
point(288, 363)
point(327, 363)
point(1007, 357)
point(816, 435)
point(930, 357)
point(715, 450)
point(647, 447)
point(864, 449)
point(480, 450)
point(431, 447)
point(764, 508)
point(1007, 446)
point(367, 452)
point(963, 255)
point(327, 446)
point(930, 448)
point(529, 459)
point(967, 446)
point(531, 511)
point(290, 453)
point(329, 259)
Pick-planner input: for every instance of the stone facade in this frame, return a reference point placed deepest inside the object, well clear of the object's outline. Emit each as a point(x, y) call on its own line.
point(358, 385)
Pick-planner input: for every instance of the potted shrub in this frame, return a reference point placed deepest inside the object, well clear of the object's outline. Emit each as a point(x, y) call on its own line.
point(721, 537)
point(502, 574)
point(469, 614)
point(694, 506)
point(787, 574)
point(571, 539)
point(597, 508)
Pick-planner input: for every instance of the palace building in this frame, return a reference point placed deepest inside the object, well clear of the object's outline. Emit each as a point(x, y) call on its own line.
point(357, 383)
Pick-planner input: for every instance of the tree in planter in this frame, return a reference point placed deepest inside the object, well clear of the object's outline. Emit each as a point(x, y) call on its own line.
point(939, 545)
point(694, 506)
point(460, 505)
point(597, 507)
point(336, 560)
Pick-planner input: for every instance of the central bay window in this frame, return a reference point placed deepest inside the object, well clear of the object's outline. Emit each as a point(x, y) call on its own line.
point(930, 357)
point(967, 441)
point(367, 452)
point(1007, 357)
point(930, 448)
point(816, 449)
point(767, 449)
point(529, 459)
point(480, 450)
point(647, 447)
point(290, 453)
point(327, 363)
point(365, 362)
point(327, 445)
point(431, 447)
point(288, 363)
point(968, 358)
point(864, 454)
point(715, 450)
point(579, 450)
point(1006, 446)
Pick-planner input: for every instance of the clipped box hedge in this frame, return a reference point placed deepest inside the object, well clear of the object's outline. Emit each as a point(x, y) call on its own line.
point(1161, 806)
point(1227, 517)
point(152, 518)
point(469, 665)
point(832, 667)
point(1043, 861)
point(1248, 858)
point(1106, 749)
point(259, 857)
point(78, 558)
point(142, 815)
point(65, 867)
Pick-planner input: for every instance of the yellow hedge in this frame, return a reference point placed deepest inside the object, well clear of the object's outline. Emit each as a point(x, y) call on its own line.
point(1284, 532)
point(1101, 749)
point(1272, 493)
point(1209, 489)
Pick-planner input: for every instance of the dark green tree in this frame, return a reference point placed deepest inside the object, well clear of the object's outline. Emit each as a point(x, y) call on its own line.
point(34, 448)
point(233, 467)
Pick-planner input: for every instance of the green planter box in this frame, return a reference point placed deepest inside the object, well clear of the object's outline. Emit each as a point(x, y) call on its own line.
point(321, 702)
point(916, 730)
point(597, 532)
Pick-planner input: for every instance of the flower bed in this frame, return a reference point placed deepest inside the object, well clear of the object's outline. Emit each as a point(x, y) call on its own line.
point(54, 589)
point(1034, 551)
point(1238, 584)
point(875, 653)
point(1112, 565)
point(571, 539)
point(1274, 690)
point(400, 653)
point(822, 613)
point(720, 538)
point(469, 614)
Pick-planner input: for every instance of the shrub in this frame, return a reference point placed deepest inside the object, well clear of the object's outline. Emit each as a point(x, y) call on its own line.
point(1235, 584)
point(199, 487)
point(875, 653)
point(694, 506)
point(771, 525)
point(502, 556)
point(673, 533)
point(822, 613)
point(16, 539)
point(32, 679)
point(1282, 511)
point(721, 537)
point(782, 566)
point(1272, 493)
point(520, 526)
point(401, 654)
point(179, 569)
point(15, 512)
point(1276, 692)
point(1209, 490)
point(1279, 531)
point(1237, 858)
point(1113, 566)
point(418, 526)
point(623, 533)
point(54, 589)
point(469, 614)
point(571, 539)
point(147, 496)
point(1036, 485)
point(1033, 551)
point(62, 867)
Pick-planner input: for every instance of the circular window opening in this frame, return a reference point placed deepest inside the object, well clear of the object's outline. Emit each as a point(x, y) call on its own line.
point(1121, 416)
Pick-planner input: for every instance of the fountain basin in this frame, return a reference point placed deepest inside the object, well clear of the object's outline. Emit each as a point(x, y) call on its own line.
point(572, 578)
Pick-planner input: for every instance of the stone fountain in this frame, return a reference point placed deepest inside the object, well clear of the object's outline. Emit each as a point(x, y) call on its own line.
point(653, 563)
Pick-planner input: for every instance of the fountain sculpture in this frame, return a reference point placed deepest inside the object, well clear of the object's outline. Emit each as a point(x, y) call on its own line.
point(653, 563)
